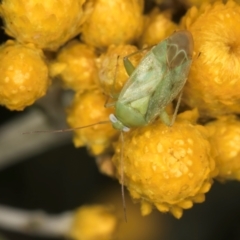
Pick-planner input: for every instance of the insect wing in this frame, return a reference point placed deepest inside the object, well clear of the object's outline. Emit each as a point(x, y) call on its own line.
point(178, 77)
point(178, 62)
point(145, 78)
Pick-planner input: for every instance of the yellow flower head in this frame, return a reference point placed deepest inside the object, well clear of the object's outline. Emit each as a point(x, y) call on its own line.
point(24, 75)
point(96, 222)
point(168, 167)
point(88, 108)
point(213, 84)
point(47, 24)
point(158, 26)
point(113, 22)
point(75, 65)
point(225, 139)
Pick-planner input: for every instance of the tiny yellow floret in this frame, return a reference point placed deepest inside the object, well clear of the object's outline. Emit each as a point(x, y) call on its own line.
point(88, 108)
point(24, 75)
point(225, 138)
point(168, 167)
point(96, 222)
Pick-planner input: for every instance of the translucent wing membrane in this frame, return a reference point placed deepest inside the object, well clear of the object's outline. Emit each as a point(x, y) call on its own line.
point(179, 49)
point(143, 81)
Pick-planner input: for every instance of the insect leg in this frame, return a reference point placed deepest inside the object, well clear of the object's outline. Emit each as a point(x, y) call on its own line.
point(122, 178)
point(176, 109)
point(127, 63)
point(109, 104)
point(113, 95)
point(165, 118)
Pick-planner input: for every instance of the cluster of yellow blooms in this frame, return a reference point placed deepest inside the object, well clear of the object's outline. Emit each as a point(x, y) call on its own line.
point(93, 222)
point(167, 167)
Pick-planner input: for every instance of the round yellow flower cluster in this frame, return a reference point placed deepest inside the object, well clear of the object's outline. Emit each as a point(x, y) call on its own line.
point(213, 84)
point(88, 108)
point(113, 22)
point(24, 75)
point(71, 60)
point(47, 24)
point(173, 170)
point(225, 138)
point(36, 26)
point(158, 25)
point(167, 167)
point(93, 222)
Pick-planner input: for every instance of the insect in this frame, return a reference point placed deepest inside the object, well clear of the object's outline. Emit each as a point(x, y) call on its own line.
point(156, 82)
point(152, 85)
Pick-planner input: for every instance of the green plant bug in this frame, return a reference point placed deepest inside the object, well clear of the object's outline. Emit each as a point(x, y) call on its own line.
point(154, 83)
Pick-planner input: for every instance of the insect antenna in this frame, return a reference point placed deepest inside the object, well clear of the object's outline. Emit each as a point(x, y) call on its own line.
point(115, 77)
point(113, 94)
point(67, 129)
point(122, 178)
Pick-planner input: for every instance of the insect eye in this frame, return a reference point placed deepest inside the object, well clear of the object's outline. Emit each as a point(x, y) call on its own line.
point(112, 118)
